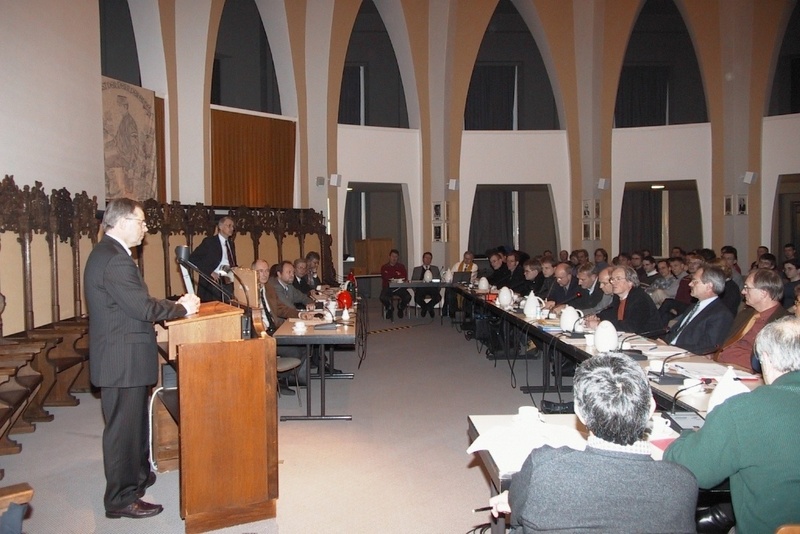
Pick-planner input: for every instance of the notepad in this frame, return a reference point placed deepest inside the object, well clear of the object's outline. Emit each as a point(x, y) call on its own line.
point(710, 370)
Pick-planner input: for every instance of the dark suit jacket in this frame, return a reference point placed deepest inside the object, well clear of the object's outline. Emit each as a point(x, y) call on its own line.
point(303, 285)
point(497, 277)
point(641, 314)
point(122, 340)
point(559, 294)
point(293, 298)
point(419, 272)
point(706, 331)
point(515, 281)
point(589, 300)
point(206, 257)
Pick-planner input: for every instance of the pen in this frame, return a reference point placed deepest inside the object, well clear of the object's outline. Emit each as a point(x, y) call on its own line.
point(482, 509)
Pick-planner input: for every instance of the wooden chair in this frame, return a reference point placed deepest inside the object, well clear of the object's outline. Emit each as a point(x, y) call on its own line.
point(788, 529)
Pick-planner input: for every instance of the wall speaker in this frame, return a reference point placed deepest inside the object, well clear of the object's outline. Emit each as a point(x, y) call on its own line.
point(452, 184)
point(336, 180)
point(750, 177)
point(602, 183)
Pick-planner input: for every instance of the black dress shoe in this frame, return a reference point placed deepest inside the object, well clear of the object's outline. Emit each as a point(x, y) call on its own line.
point(151, 479)
point(424, 311)
point(138, 509)
point(286, 390)
point(390, 313)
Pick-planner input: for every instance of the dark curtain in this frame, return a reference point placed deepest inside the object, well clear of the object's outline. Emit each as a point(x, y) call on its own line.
point(352, 221)
point(640, 222)
point(350, 97)
point(491, 223)
point(490, 100)
point(794, 88)
point(642, 97)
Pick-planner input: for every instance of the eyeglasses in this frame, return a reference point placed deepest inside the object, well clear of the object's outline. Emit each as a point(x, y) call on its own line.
point(140, 221)
point(618, 279)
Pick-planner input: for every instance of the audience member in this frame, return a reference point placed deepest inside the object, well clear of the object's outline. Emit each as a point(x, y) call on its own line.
point(631, 310)
point(658, 287)
point(499, 269)
point(451, 298)
point(301, 280)
point(600, 259)
point(760, 251)
point(650, 267)
point(623, 259)
point(732, 295)
point(763, 291)
point(768, 261)
point(731, 257)
point(703, 327)
point(286, 292)
point(394, 270)
point(549, 272)
point(636, 263)
point(515, 279)
point(534, 278)
point(789, 251)
point(432, 294)
point(791, 271)
point(751, 439)
point(677, 252)
point(566, 288)
point(563, 256)
point(672, 307)
point(612, 486)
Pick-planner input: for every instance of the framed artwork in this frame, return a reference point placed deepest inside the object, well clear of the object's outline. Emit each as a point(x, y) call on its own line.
point(727, 207)
point(439, 232)
point(597, 227)
point(741, 205)
point(587, 209)
point(439, 211)
point(587, 230)
point(597, 208)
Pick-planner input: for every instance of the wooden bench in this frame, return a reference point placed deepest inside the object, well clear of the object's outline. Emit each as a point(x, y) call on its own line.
point(61, 365)
point(38, 370)
point(20, 385)
point(15, 494)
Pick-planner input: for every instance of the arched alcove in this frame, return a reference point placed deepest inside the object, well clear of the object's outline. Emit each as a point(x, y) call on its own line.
point(786, 212)
point(372, 90)
point(785, 97)
point(510, 88)
point(244, 69)
point(118, 56)
point(660, 82)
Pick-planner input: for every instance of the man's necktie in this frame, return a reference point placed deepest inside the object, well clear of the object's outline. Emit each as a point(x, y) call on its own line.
point(686, 321)
point(231, 256)
point(739, 334)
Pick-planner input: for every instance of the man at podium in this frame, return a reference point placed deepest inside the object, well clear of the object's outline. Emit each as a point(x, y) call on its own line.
point(124, 355)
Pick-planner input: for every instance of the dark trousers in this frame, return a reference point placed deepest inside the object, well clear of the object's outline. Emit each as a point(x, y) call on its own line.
point(421, 293)
point(387, 294)
point(125, 448)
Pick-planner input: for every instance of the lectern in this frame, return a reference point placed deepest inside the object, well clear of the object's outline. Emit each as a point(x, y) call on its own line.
point(224, 416)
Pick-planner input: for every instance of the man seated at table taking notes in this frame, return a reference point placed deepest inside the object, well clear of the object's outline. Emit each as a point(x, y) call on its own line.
point(612, 486)
point(420, 293)
point(751, 438)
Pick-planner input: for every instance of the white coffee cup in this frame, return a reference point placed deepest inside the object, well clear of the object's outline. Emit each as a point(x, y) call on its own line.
point(692, 383)
point(589, 340)
point(656, 366)
point(528, 412)
point(299, 326)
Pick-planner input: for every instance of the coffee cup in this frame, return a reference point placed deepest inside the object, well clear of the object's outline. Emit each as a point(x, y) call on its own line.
point(656, 366)
point(589, 340)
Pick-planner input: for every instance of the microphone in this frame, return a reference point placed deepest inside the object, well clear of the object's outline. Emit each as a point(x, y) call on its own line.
point(668, 379)
point(703, 381)
point(182, 257)
point(327, 326)
point(576, 296)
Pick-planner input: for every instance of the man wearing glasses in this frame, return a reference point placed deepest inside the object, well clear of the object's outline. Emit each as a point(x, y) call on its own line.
point(124, 355)
point(763, 290)
point(632, 310)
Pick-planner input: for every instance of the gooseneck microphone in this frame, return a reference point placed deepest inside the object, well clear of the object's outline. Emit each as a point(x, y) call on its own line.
point(182, 257)
point(703, 381)
point(668, 379)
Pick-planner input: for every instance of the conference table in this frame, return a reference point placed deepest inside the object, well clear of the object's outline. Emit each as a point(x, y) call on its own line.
point(324, 336)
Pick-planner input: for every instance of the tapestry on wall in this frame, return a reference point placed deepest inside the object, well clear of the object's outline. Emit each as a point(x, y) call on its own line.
point(129, 140)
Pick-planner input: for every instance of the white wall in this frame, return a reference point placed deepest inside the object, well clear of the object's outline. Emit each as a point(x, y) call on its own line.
point(662, 154)
point(383, 155)
point(51, 113)
point(780, 154)
point(529, 157)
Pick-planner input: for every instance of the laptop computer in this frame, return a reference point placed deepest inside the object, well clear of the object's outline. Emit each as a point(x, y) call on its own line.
point(461, 277)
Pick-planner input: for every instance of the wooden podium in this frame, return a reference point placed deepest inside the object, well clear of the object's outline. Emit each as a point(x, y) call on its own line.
point(224, 418)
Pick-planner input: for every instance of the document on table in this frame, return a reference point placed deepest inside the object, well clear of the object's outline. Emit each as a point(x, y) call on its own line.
point(710, 370)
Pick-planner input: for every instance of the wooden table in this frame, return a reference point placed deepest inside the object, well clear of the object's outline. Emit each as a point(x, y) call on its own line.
point(344, 333)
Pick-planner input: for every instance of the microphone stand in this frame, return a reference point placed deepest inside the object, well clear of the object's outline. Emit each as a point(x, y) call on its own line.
point(668, 379)
point(688, 420)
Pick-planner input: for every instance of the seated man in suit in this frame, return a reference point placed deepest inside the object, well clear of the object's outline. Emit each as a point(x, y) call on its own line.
point(433, 294)
point(751, 439)
point(466, 265)
point(499, 269)
point(216, 254)
point(534, 278)
point(394, 270)
point(650, 267)
point(704, 326)
point(287, 293)
point(301, 280)
point(763, 290)
point(515, 279)
point(613, 485)
point(565, 289)
point(549, 281)
point(682, 301)
point(631, 310)
point(274, 312)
